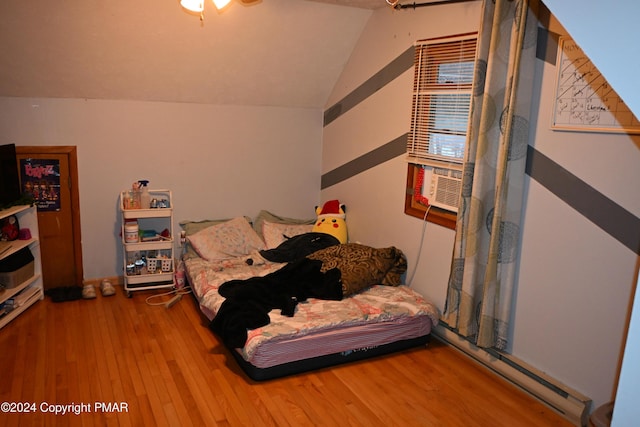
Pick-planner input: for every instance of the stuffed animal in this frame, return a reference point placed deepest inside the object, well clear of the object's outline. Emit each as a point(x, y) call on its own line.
point(331, 220)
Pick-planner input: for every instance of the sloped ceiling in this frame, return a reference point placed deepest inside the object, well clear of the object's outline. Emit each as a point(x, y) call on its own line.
point(275, 52)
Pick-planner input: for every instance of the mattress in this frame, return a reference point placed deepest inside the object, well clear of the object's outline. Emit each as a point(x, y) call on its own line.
point(374, 321)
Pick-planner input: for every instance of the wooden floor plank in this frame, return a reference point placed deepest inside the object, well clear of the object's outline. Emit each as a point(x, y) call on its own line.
point(168, 368)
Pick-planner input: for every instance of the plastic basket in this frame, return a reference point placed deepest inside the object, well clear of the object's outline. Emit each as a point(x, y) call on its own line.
point(166, 264)
point(152, 265)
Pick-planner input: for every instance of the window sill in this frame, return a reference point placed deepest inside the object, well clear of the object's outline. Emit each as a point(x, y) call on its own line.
point(436, 215)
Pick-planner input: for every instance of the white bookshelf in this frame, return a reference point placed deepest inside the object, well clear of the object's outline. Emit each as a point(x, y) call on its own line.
point(30, 291)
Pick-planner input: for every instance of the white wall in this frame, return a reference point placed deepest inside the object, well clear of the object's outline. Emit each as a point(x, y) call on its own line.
point(219, 161)
point(572, 271)
point(620, 67)
point(375, 198)
point(575, 280)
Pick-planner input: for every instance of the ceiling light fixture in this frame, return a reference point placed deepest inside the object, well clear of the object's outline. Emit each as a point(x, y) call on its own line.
point(197, 6)
point(220, 4)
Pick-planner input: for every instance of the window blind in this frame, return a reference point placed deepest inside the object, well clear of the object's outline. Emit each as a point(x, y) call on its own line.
point(442, 88)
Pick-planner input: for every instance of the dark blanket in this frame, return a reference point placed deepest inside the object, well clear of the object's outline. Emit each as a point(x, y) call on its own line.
point(297, 247)
point(248, 302)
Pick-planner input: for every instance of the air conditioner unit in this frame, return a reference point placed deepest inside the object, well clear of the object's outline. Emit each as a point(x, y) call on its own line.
point(445, 188)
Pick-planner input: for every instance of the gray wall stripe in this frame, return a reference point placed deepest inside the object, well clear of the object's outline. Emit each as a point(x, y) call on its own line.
point(593, 205)
point(596, 207)
point(392, 70)
point(618, 222)
point(373, 158)
point(547, 46)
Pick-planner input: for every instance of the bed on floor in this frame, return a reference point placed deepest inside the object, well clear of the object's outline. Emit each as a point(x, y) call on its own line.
point(333, 304)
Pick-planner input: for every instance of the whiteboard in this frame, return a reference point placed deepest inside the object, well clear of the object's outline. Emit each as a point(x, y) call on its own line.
point(584, 101)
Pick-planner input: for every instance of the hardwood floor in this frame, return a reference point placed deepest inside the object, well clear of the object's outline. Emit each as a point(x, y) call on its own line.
point(164, 367)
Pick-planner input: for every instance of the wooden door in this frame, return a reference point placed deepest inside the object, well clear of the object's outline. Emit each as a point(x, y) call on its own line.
point(58, 213)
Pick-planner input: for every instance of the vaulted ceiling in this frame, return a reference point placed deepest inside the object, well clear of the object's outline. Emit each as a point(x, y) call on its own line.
point(273, 52)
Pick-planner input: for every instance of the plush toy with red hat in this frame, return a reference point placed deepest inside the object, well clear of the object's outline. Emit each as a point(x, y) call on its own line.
point(331, 220)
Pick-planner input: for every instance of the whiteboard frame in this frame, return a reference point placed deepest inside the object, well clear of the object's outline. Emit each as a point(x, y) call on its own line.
point(576, 122)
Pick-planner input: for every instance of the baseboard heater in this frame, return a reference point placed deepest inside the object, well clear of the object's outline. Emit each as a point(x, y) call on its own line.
point(562, 399)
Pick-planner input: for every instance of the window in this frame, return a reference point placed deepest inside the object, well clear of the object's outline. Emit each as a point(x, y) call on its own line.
point(442, 89)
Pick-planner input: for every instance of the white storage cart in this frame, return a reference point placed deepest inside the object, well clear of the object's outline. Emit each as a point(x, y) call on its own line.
point(148, 244)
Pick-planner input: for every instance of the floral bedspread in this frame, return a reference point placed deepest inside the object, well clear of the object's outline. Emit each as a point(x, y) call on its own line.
point(375, 304)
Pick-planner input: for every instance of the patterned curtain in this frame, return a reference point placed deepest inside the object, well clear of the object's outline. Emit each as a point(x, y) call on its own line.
point(483, 270)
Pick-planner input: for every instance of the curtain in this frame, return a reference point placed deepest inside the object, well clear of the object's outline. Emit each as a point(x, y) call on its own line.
point(484, 263)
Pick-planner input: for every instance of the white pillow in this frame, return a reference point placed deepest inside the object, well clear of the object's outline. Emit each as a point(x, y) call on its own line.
point(227, 240)
point(276, 233)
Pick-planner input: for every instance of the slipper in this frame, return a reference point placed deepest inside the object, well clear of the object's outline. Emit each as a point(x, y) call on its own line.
point(88, 292)
point(107, 288)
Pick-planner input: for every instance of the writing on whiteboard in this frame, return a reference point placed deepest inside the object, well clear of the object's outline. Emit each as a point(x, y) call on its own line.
point(584, 100)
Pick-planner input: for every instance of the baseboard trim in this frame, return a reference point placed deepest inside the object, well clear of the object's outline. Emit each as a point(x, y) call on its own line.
point(569, 403)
